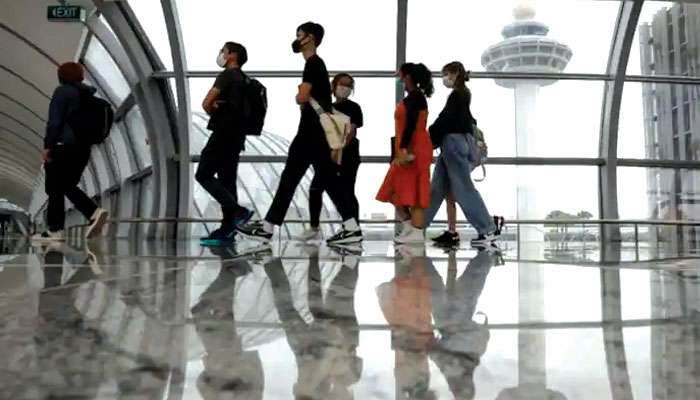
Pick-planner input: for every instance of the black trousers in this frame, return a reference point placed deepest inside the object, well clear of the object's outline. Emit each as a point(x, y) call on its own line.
point(309, 149)
point(218, 172)
point(63, 173)
point(347, 173)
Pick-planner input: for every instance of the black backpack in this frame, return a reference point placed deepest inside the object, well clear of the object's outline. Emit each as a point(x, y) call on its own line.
point(254, 107)
point(92, 120)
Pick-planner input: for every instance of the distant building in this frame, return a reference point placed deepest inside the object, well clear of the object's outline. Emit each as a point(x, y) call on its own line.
point(670, 46)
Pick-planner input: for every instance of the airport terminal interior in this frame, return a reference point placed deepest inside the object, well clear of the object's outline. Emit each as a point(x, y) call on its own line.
point(591, 111)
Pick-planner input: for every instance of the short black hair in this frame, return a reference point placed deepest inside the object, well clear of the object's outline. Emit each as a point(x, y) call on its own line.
point(315, 29)
point(233, 47)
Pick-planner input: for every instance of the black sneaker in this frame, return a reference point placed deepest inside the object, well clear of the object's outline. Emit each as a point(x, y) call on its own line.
point(254, 231)
point(345, 237)
point(218, 238)
point(447, 239)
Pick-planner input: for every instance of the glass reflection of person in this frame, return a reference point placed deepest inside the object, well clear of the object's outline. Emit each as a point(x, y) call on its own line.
point(67, 347)
point(227, 367)
point(406, 303)
point(462, 341)
point(326, 349)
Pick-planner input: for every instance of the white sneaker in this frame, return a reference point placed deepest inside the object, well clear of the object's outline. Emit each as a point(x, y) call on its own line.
point(411, 235)
point(309, 235)
point(97, 221)
point(49, 236)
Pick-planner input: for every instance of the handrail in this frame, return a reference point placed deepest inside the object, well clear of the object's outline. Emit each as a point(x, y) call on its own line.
point(461, 223)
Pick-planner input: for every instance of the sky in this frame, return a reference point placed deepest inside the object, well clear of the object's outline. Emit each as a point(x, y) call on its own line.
point(362, 37)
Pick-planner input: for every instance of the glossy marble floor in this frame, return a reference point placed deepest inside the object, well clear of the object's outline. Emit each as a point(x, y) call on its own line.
point(156, 320)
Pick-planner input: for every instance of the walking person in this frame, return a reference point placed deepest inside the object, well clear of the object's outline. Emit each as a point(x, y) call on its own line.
point(343, 86)
point(65, 157)
point(407, 184)
point(452, 173)
point(309, 147)
point(218, 166)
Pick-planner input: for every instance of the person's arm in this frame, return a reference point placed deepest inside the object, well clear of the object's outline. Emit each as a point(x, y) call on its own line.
point(57, 119)
point(209, 104)
point(412, 113)
point(304, 93)
point(225, 80)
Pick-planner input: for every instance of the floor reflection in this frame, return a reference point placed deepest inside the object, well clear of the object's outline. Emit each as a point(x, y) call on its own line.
point(156, 320)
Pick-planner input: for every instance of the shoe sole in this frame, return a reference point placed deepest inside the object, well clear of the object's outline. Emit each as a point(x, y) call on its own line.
point(255, 238)
point(216, 243)
point(48, 240)
point(345, 241)
point(96, 226)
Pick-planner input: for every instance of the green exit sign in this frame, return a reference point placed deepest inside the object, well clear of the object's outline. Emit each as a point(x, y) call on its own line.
point(65, 13)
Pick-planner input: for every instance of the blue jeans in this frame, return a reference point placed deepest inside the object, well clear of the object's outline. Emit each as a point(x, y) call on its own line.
point(453, 174)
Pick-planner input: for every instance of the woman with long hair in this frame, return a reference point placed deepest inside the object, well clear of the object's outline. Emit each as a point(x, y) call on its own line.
point(407, 184)
point(452, 175)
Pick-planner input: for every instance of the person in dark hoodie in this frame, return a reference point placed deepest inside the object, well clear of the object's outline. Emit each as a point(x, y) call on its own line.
point(65, 158)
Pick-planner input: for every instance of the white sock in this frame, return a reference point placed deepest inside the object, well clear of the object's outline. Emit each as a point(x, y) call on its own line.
point(406, 224)
point(351, 225)
point(268, 227)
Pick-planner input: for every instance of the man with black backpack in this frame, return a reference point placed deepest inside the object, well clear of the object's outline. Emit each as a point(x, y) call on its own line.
point(77, 120)
point(237, 107)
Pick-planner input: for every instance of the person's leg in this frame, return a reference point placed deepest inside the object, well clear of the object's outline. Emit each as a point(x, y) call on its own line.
point(294, 170)
point(328, 172)
point(74, 170)
point(463, 189)
point(439, 187)
point(348, 172)
point(55, 209)
point(227, 174)
point(418, 217)
point(214, 161)
point(316, 201)
point(451, 213)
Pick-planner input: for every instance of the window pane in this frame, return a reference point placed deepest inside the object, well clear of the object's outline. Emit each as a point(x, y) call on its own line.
point(101, 166)
point(665, 194)
point(374, 95)
point(661, 46)
point(648, 127)
point(117, 145)
point(103, 64)
point(466, 29)
point(547, 126)
point(150, 16)
point(267, 28)
point(139, 137)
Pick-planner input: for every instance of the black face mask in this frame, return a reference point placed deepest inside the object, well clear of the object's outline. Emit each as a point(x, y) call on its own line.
point(296, 45)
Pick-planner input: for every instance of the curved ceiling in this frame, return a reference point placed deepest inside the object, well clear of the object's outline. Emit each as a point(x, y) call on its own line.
point(32, 47)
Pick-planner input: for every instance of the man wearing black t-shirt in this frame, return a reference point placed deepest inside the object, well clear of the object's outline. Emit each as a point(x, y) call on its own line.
point(218, 165)
point(309, 147)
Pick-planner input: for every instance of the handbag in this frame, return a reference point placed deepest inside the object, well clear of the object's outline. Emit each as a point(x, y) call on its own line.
point(336, 125)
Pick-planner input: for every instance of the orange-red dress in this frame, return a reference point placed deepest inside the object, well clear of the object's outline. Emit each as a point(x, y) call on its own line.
point(409, 185)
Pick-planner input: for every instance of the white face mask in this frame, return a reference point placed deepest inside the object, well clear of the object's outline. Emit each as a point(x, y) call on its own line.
point(342, 92)
point(221, 60)
point(448, 81)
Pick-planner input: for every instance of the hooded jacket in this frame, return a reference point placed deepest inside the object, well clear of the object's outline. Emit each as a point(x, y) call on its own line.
point(65, 100)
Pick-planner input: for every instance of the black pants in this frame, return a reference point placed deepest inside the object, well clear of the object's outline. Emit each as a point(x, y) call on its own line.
point(348, 176)
point(218, 173)
point(63, 173)
point(306, 150)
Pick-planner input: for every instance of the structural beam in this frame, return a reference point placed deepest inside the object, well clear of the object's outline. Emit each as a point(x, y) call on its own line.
point(623, 38)
point(184, 115)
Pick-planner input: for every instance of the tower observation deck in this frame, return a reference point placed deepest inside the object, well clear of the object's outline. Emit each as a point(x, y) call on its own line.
point(526, 48)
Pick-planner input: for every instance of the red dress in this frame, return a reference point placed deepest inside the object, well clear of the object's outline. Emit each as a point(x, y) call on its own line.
point(409, 185)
